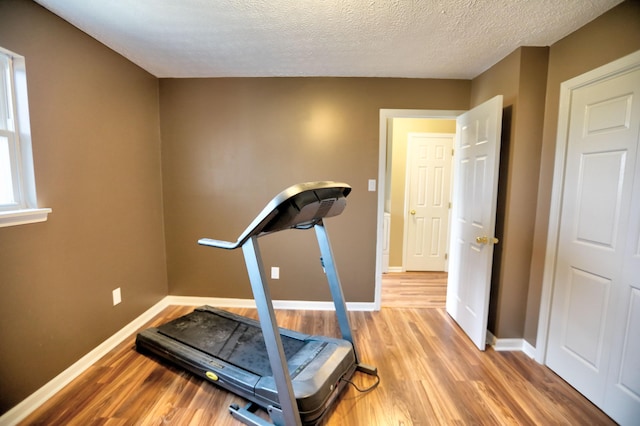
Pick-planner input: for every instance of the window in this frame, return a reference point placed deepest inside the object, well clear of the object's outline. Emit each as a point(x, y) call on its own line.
point(18, 204)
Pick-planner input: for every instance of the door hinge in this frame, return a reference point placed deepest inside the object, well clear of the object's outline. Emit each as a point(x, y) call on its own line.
point(452, 151)
point(446, 256)
point(449, 204)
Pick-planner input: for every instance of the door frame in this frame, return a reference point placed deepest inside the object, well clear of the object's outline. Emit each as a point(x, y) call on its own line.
point(383, 184)
point(622, 65)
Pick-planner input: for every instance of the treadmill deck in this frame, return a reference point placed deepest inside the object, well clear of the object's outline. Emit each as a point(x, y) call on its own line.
point(236, 342)
point(229, 350)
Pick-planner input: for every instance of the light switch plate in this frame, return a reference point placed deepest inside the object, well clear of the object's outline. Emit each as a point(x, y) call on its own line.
point(117, 296)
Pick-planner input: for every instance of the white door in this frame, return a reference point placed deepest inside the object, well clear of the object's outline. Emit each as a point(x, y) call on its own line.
point(473, 217)
point(427, 207)
point(594, 327)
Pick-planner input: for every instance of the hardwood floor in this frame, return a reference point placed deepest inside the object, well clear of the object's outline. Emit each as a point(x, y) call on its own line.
point(414, 289)
point(430, 374)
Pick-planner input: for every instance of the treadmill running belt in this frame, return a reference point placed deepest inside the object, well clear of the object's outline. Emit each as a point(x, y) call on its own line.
point(234, 342)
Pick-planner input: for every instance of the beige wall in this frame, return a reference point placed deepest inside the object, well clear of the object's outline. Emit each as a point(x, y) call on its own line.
point(229, 145)
point(401, 127)
point(607, 38)
point(96, 142)
point(520, 78)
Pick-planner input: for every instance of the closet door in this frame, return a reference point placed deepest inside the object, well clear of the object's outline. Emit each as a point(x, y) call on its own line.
point(622, 393)
point(594, 329)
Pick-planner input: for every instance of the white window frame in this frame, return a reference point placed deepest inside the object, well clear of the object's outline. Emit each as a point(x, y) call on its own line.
point(15, 108)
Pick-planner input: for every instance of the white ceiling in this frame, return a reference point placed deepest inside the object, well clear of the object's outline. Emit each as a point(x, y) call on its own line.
point(355, 38)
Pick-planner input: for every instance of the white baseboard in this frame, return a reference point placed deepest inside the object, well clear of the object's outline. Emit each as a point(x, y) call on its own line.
point(39, 397)
point(300, 305)
point(510, 345)
point(528, 349)
point(395, 269)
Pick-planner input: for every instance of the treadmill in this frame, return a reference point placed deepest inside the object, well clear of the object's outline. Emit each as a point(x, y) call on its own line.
point(295, 377)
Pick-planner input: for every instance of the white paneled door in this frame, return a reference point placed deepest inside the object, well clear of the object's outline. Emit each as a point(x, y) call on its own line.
point(594, 327)
point(427, 206)
point(476, 161)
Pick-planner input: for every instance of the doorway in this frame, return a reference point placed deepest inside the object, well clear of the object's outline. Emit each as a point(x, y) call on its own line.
point(474, 205)
point(393, 163)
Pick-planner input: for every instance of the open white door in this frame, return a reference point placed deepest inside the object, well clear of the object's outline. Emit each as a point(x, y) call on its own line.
point(473, 218)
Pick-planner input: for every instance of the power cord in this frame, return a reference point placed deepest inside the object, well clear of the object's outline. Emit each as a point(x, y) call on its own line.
point(370, 388)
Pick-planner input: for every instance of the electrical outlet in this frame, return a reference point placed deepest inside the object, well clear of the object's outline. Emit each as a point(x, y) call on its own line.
point(117, 296)
point(275, 273)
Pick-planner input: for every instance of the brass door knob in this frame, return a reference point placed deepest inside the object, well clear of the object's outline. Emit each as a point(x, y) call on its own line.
point(487, 240)
point(413, 212)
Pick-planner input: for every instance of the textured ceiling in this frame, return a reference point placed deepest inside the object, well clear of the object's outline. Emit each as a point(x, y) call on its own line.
point(360, 38)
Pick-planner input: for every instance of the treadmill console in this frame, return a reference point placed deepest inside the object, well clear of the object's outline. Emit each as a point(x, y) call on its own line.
point(300, 206)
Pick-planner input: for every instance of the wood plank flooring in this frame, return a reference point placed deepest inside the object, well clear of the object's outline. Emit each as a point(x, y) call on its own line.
point(414, 289)
point(430, 374)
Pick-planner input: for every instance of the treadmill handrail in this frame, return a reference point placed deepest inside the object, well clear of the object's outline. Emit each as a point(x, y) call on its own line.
point(297, 196)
